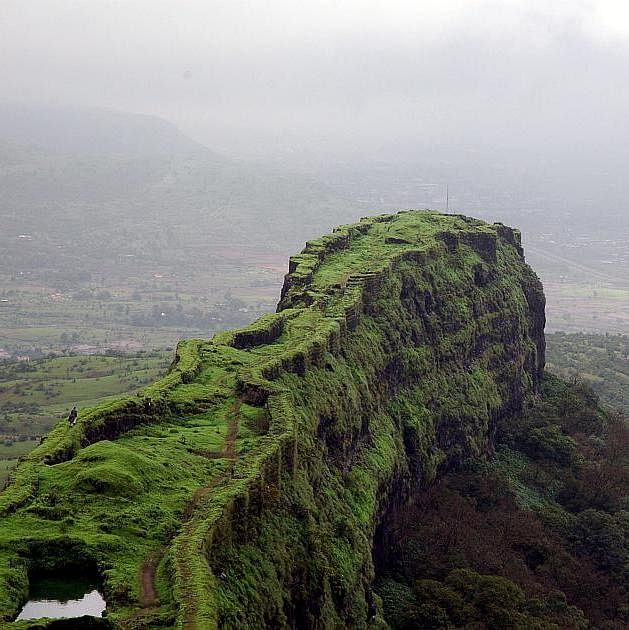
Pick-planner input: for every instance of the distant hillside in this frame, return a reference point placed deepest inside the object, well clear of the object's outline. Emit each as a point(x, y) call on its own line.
point(119, 183)
point(97, 201)
point(602, 361)
point(84, 131)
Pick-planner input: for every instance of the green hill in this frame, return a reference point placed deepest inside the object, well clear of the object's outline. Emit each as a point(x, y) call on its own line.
point(286, 433)
point(252, 485)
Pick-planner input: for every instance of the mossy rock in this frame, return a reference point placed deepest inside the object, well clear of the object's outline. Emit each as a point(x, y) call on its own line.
point(264, 460)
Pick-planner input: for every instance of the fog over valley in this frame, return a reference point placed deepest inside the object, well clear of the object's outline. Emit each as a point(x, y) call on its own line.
point(266, 124)
point(314, 314)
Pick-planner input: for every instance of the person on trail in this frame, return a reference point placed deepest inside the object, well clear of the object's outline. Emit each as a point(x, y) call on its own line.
point(73, 415)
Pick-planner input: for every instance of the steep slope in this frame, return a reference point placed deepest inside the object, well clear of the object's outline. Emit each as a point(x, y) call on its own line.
point(534, 537)
point(246, 487)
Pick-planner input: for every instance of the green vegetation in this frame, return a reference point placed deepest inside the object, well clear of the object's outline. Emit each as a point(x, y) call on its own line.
point(34, 395)
point(536, 536)
point(245, 487)
point(601, 361)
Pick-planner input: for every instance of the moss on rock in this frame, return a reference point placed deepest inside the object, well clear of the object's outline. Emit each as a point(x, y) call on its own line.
point(398, 345)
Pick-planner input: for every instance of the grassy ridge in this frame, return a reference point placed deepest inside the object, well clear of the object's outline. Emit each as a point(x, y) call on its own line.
point(437, 312)
point(35, 395)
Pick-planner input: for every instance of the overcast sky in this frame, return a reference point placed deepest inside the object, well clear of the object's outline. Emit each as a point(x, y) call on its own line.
point(363, 76)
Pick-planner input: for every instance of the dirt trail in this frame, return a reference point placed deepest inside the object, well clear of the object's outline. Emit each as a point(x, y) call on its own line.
point(148, 594)
point(229, 447)
point(228, 451)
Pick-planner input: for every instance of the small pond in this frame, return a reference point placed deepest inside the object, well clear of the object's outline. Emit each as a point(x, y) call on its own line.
point(57, 597)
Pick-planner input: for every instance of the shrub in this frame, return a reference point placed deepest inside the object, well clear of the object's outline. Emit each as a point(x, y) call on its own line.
point(550, 443)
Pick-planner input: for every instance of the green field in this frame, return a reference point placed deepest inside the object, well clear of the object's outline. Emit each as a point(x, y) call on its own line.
point(594, 291)
point(130, 314)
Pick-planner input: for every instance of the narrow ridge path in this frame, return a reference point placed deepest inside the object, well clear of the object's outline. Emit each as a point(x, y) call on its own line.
point(148, 593)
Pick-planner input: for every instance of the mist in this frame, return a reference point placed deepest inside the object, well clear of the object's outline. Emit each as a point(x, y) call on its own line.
point(195, 131)
point(335, 80)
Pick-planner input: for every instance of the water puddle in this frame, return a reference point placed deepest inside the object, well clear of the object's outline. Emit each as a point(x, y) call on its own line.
point(51, 596)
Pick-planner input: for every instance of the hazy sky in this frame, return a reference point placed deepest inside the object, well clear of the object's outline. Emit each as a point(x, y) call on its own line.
point(363, 76)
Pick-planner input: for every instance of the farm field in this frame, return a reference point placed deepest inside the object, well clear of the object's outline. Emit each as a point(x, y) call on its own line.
point(578, 307)
point(129, 312)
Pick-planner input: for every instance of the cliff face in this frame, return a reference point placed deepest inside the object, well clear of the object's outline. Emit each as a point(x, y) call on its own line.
point(254, 476)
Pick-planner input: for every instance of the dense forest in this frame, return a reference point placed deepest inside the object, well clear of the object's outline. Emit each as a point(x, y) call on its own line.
point(535, 537)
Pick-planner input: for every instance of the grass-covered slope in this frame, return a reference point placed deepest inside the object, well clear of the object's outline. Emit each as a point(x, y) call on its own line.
point(244, 489)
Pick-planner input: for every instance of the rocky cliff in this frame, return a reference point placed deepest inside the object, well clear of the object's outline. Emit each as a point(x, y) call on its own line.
point(246, 487)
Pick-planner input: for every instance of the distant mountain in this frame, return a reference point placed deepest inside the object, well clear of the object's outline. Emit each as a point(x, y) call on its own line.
point(89, 185)
point(66, 130)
